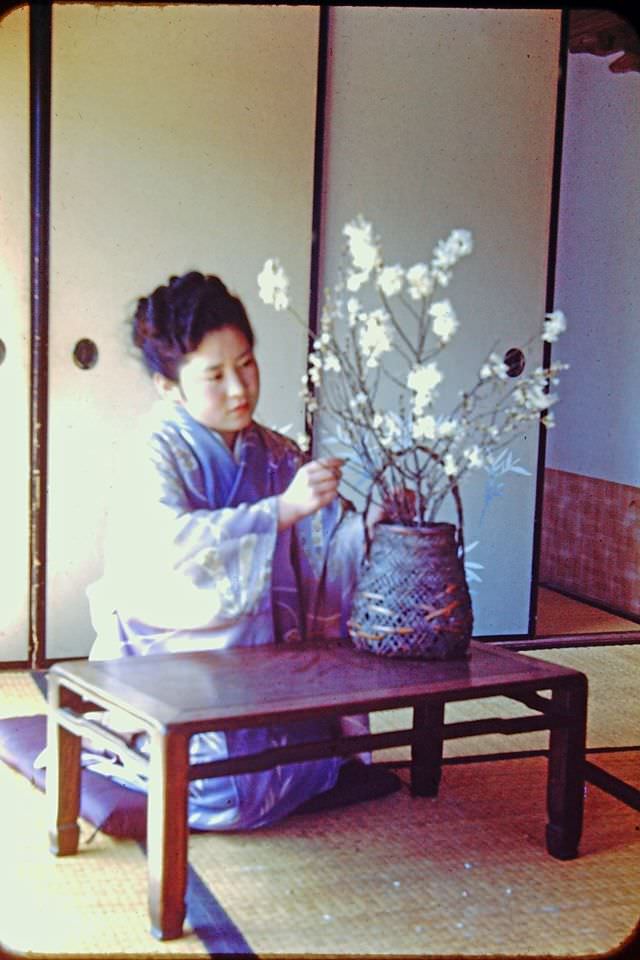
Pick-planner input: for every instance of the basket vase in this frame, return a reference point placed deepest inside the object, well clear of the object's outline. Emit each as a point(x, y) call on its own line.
point(412, 598)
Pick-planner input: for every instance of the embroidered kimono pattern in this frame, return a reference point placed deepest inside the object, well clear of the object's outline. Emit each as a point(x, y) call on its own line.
point(193, 561)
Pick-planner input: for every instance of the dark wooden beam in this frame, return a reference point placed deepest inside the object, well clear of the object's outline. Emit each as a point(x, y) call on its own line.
point(40, 143)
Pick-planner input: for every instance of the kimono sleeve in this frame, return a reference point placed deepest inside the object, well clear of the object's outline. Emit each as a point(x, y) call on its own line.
point(330, 547)
point(174, 566)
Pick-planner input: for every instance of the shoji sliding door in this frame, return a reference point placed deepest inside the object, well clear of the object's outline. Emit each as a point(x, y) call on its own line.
point(14, 335)
point(182, 137)
point(440, 118)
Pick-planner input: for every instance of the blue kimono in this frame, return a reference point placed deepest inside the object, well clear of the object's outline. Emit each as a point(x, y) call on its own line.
point(193, 561)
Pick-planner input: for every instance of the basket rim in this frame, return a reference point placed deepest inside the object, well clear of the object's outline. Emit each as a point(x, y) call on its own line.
point(405, 530)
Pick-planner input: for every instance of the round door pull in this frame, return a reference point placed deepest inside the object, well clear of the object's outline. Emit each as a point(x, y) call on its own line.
point(514, 360)
point(85, 354)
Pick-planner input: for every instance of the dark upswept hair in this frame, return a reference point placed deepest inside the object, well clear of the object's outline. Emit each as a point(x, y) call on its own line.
point(172, 321)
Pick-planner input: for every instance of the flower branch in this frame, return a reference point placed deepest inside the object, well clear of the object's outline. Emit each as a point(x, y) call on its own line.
point(411, 446)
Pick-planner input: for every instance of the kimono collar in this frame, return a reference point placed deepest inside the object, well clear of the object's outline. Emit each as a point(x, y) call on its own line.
point(230, 476)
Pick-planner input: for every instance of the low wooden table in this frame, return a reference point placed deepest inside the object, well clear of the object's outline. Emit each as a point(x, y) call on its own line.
point(174, 696)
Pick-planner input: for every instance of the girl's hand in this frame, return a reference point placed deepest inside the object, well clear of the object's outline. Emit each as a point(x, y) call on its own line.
point(314, 486)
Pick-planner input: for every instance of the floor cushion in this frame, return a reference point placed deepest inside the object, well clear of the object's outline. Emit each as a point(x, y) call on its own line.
point(111, 807)
point(121, 812)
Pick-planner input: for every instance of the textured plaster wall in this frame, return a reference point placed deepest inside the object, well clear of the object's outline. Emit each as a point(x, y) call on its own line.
point(598, 275)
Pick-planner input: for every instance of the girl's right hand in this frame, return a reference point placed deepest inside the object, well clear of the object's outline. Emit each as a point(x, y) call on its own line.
point(314, 486)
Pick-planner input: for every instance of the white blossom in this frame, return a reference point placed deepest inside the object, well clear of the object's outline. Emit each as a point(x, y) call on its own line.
point(315, 365)
point(390, 280)
point(447, 252)
point(363, 251)
point(375, 336)
point(423, 381)
point(356, 279)
point(424, 427)
point(303, 442)
point(353, 309)
point(450, 466)
point(461, 241)
point(474, 456)
point(494, 367)
point(445, 322)
point(555, 323)
point(362, 248)
point(326, 321)
point(549, 420)
point(532, 397)
point(331, 362)
point(447, 428)
point(419, 281)
point(386, 427)
point(273, 285)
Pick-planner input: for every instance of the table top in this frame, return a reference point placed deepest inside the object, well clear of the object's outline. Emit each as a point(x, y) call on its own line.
point(251, 686)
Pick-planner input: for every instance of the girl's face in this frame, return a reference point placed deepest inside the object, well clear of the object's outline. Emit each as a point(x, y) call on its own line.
point(218, 383)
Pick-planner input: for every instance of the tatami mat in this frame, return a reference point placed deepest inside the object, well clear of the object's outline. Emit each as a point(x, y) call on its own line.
point(465, 873)
point(614, 706)
point(462, 874)
point(19, 695)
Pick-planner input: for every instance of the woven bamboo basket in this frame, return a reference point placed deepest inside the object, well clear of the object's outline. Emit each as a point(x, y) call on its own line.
point(412, 598)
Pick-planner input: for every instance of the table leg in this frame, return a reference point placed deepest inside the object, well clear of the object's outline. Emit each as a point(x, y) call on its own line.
point(63, 775)
point(167, 833)
point(565, 786)
point(426, 751)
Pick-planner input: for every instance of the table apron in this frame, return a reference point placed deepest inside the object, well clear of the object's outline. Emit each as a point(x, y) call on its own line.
point(82, 727)
point(349, 745)
point(337, 745)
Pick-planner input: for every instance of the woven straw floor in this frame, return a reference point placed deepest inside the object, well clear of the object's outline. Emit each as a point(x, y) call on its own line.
point(464, 874)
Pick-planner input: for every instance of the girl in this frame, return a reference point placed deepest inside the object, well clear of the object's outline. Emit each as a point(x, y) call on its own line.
point(221, 535)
